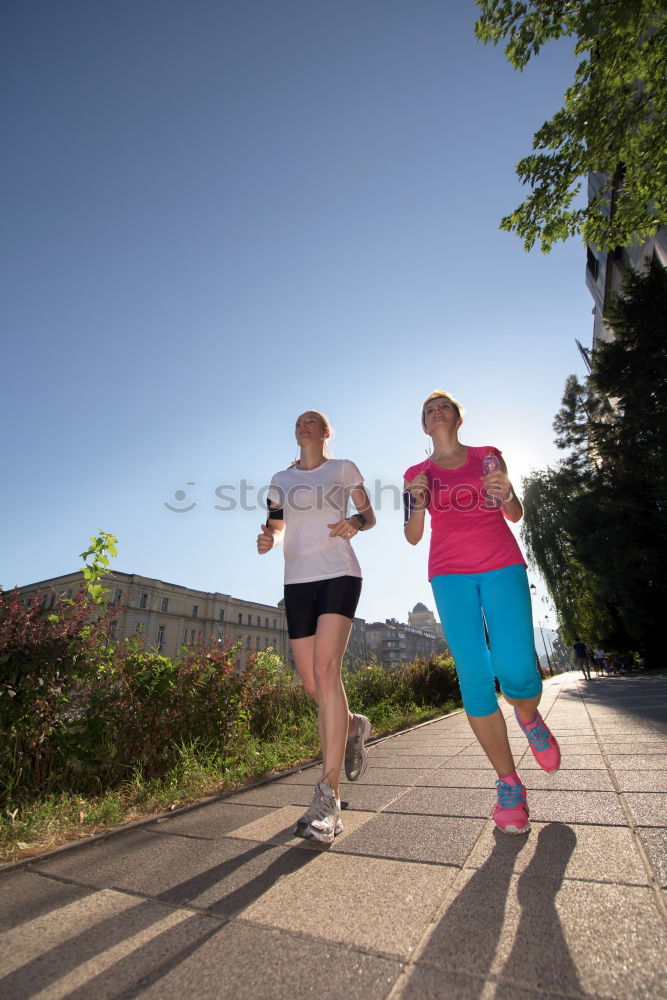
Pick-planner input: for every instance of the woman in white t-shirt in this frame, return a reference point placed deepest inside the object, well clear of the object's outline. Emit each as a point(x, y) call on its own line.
point(307, 508)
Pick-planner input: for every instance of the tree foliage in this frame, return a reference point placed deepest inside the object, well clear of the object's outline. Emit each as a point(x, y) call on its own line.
point(596, 525)
point(613, 120)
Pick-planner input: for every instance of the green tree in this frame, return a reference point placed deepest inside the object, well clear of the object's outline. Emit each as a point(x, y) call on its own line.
point(596, 525)
point(613, 120)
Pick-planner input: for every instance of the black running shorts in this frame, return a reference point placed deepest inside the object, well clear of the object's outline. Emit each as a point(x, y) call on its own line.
point(305, 602)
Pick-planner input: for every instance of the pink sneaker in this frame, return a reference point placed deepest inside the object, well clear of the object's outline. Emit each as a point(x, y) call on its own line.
point(541, 741)
point(511, 812)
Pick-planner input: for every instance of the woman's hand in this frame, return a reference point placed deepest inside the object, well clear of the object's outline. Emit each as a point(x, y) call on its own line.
point(419, 490)
point(497, 484)
point(265, 541)
point(347, 528)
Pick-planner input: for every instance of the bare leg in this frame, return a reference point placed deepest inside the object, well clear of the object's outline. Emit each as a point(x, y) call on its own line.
point(303, 651)
point(526, 707)
point(333, 632)
point(491, 732)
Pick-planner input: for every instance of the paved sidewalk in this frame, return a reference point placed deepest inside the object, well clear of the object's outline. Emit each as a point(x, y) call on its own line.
point(419, 898)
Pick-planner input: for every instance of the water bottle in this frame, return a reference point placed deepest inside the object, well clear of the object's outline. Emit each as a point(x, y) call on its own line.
point(490, 463)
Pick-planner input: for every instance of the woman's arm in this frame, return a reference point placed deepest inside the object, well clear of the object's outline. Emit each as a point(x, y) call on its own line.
point(272, 532)
point(416, 504)
point(364, 520)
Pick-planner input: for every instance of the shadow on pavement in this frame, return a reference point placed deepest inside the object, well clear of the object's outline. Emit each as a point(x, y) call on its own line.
point(466, 939)
point(641, 697)
point(125, 977)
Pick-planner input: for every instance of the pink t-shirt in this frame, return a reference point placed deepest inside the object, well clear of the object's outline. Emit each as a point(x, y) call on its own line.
point(469, 534)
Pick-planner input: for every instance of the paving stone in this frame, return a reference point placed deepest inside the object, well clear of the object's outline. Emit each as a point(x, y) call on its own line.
point(370, 798)
point(654, 842)
point(393, 775)
point(597, 853)
point(641, 781)
point(248, 962)
point(213, 820)
point(445, 802)
point(441, 840)
point(615, 748)
point(275, 793)
point(367, 903)
point(599, 808)
point(96, 946)
point(223, 876)
point(498, 923)
point(466, 778)
point(278, 828)
point(464, 761)
point(647, 808)
point(25, 895)
point(399, 763)
point(647, 762)
point(568, 779)
point(573, 761)
point(437, 750)
point(425, 983)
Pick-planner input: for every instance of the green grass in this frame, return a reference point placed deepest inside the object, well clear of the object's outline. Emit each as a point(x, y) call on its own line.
point(39, 823)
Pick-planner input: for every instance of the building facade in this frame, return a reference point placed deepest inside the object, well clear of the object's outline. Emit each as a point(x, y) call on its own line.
point(604, 269)
point(395, 644)
point(170, 616)
point(421, 617)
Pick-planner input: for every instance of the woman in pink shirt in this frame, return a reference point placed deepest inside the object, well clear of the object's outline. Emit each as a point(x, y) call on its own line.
point(478, 576)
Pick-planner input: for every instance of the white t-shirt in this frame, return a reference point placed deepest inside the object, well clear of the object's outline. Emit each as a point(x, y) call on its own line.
point(312, 499)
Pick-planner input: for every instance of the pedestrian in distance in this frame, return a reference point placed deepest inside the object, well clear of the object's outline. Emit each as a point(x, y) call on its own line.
point(581, 659)
point(478, 575)
point(307, 512)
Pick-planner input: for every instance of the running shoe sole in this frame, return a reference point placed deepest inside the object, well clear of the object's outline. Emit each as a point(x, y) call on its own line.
point(350, 773)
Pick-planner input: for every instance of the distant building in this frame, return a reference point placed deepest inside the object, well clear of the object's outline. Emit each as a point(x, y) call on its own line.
point(395, 644)
point(357, 652)
point(171, 616)
point(420, 617)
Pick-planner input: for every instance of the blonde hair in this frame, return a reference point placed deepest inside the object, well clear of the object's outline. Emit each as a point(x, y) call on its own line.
point(441, 394)
point(326, 427)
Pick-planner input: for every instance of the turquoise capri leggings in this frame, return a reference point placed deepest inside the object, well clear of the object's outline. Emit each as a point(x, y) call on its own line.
point(502, 596)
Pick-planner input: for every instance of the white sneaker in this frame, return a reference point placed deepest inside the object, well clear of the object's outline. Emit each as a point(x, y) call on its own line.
point(356, 754)
point(325, 822)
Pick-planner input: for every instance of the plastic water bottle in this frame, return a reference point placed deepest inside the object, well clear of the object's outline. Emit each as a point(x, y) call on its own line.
point(490, 463)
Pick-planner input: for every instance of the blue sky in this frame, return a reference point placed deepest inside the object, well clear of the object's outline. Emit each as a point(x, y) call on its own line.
point(218, 215)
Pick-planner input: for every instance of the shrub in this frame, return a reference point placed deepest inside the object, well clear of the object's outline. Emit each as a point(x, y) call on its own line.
point(41, 659)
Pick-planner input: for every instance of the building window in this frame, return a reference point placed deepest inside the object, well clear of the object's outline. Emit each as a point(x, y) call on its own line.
point(118, 593)
point(249, 619)
point(139, 628)
point(259, 622)
point(221, 616)
point(53, 599)
point(274, 623)
point(143, 600)
point(192, 635)
point(240, 619)
point(592, 263)
point(195, 610)
point(266, 623)
point(160, 636)
point(112, 629)
point(165, 604)
point(248, 643)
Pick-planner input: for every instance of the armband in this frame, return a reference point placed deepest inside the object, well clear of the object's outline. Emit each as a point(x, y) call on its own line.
point(361, 518)
point(275, 513)
point(408, 505)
